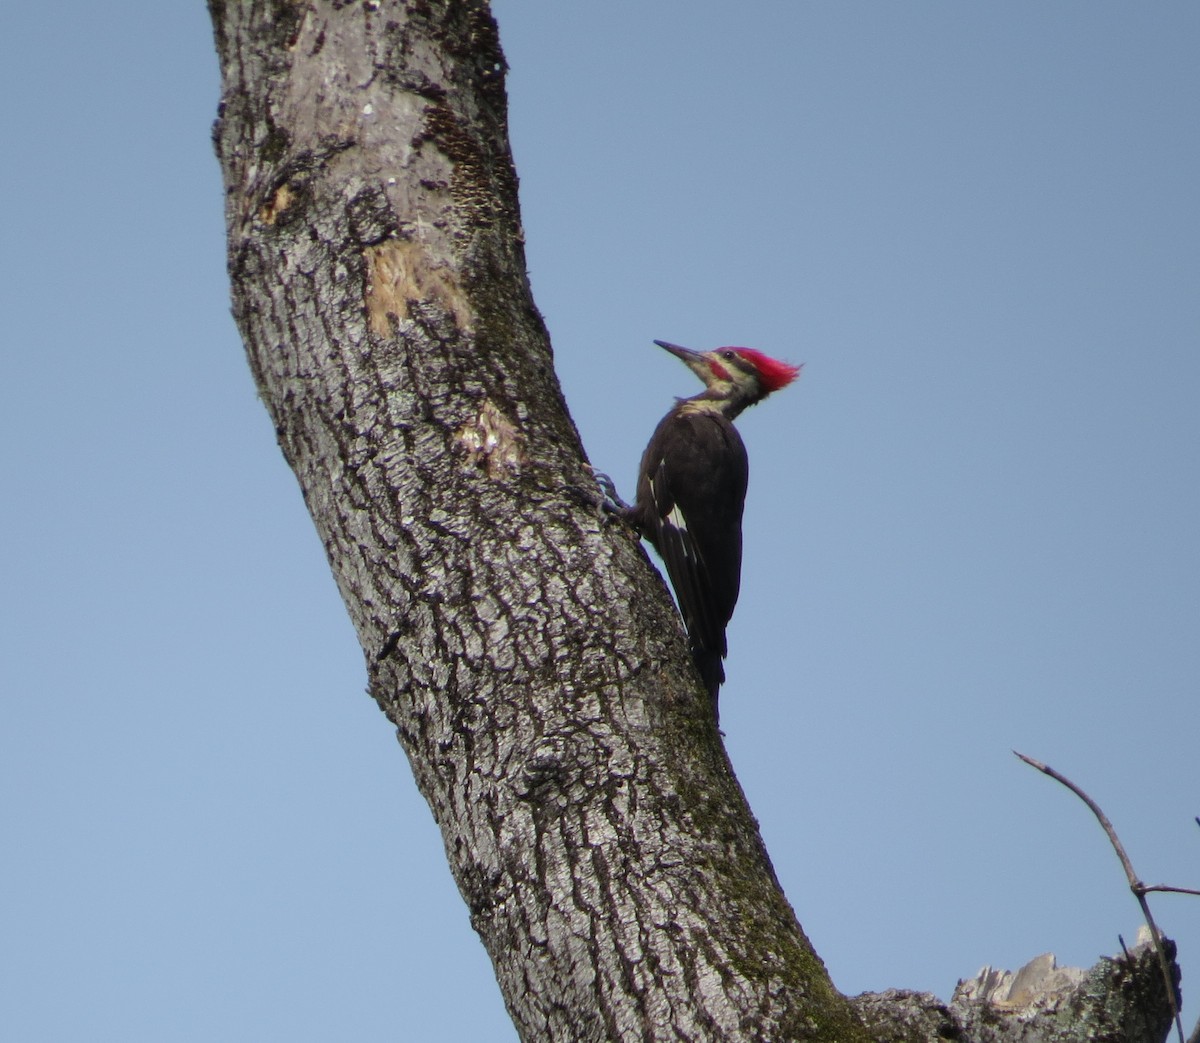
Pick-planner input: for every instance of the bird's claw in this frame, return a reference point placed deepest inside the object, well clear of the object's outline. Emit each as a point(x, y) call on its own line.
point(610, 502)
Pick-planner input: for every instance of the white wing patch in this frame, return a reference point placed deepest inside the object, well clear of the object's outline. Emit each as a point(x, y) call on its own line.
point(675, 524)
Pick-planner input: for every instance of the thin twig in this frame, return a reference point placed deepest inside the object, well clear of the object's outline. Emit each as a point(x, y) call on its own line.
point(1135, 885)
point(1147, 888)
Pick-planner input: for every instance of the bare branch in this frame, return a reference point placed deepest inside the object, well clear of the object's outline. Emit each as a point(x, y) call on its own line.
point(1135, 885)
point(1147, 888)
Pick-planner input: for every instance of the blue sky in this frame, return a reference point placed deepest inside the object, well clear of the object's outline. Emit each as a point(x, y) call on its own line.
point(971, 526)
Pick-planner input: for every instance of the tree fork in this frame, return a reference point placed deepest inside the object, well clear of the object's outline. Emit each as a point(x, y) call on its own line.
point(531, 661)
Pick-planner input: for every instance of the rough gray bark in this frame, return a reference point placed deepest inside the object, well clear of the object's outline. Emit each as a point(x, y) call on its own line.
point(1119, 1000)
point(530, 659)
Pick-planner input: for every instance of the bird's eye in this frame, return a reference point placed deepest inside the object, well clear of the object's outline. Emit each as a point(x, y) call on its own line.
point(728, 356)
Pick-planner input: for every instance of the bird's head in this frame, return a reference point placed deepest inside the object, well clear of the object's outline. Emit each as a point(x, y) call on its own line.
point(734, 377)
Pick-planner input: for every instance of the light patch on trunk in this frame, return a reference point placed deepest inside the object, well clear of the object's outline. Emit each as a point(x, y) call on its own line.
point(493, 441)
point(400, 271)
point(269, 213)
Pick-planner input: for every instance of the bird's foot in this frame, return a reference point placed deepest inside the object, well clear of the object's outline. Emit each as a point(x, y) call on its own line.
point(610, 502)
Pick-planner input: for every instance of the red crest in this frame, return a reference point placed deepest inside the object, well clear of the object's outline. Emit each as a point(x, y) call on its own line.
point(771, 372)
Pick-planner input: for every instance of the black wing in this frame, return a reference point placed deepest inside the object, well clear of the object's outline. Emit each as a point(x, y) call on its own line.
point(691, 490)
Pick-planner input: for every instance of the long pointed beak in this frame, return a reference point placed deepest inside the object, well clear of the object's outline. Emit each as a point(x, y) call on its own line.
point(684, 354)
point(694, 360)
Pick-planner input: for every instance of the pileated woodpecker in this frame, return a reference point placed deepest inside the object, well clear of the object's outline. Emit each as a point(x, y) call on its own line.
point(691, 489)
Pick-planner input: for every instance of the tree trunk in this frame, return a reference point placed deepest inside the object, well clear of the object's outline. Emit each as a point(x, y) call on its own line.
point(529, 657)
